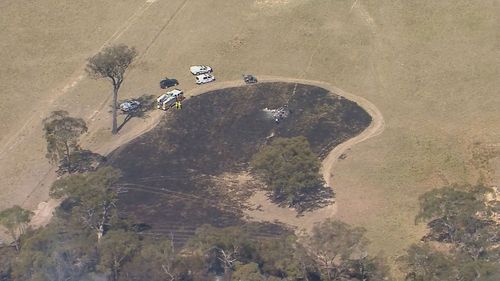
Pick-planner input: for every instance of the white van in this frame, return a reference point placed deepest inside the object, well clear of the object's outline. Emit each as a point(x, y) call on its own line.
point(168, 99)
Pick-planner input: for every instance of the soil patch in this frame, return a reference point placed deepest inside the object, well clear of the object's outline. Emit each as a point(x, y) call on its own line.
point(171, 175)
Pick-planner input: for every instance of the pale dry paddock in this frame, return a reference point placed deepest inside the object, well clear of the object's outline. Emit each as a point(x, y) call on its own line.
point(431, 67)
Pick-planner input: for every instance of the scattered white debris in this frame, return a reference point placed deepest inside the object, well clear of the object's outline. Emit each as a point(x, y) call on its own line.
point(277, 114)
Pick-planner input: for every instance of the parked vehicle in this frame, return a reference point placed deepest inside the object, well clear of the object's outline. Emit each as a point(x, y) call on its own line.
point(168, 99)
point(168, 82)
point(130, 106)
point(200, 69)
point(249, 78)
point(204, 78)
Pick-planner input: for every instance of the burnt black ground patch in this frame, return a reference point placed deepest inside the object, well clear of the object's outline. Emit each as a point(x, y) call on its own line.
point(166, 172)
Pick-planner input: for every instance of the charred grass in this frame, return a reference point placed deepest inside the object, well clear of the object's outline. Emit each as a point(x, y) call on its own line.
point(168, 172)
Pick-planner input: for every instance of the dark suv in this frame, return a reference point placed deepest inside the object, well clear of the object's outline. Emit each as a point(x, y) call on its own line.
point(249, 78)
point(167, 82)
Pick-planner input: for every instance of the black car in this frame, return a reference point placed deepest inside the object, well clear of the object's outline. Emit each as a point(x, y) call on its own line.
point(167, 82)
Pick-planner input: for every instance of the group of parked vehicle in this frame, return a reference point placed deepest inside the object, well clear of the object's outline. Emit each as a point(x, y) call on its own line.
point(176, 96)
point(203, 74)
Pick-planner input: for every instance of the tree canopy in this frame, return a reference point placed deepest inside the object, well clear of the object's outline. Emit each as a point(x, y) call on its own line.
point(93, 196)
point(62, 133)
point(55, 252)
point(223, 248)
point(285, 258)
point(157, 260)
point(290, 169)
point(117, 248)
point(111, 63)
point(461, 219)
point(460, 215)
point(333, 245)
point(15, 219)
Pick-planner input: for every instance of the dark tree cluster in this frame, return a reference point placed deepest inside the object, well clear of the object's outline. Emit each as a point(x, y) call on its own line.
point(291, 171)
point(463, 242)
point(232, 253)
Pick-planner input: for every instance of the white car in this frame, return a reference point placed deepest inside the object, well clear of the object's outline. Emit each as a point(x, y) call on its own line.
point(204, 78)
point(129, 106)
point(200, 69)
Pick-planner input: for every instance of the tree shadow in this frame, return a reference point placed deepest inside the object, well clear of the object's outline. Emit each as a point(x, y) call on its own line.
point(313, 199)
point(81, 161)
point(127, 118)
point(147, 104)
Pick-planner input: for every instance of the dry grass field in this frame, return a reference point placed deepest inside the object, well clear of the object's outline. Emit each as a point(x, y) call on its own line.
point(431, 67)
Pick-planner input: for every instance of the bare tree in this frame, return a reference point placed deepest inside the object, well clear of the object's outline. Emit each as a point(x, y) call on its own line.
point(62, 133)
point(228, 246)
point(15, 220)
point(332, 244)
point(160, 258)
point(111, 63)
